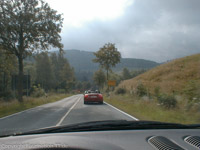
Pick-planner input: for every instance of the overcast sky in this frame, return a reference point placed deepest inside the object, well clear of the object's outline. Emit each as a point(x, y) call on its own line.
point(157, 30)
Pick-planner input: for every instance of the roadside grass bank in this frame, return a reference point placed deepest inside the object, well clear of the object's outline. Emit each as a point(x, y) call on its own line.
point(11, 107)
point(145, 109)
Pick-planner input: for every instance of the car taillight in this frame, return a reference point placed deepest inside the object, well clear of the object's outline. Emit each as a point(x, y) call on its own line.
point(86, 96)
point(100, 96)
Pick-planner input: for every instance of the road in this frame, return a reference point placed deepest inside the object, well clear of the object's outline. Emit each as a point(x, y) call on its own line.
point(64, 112)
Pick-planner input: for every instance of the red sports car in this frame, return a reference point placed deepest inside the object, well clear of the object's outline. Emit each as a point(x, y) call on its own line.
point(93, 96)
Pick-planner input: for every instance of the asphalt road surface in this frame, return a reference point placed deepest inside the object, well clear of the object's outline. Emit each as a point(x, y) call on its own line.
point(64, 112)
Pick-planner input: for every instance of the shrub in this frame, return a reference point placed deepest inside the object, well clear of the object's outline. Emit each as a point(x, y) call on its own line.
point(192, 91)
point(157, 91)
point(141, 90)
point(7, 95)
point(37, 91)
point(61, 91)
point(120, 91)
point(168, 101)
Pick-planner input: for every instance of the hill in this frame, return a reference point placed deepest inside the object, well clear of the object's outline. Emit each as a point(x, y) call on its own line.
point(84, 67)
point(180, 76)
point(82, 61)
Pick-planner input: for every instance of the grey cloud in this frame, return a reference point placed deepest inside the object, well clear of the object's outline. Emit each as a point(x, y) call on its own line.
point(158, 30)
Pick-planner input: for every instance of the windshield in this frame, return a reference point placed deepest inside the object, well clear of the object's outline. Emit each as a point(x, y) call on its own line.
point(75, 61)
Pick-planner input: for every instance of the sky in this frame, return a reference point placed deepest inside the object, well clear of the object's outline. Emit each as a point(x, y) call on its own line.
point(158, 30)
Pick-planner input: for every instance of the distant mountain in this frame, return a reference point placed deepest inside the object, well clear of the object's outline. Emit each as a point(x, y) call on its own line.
point(82, 61)
point(84, 67)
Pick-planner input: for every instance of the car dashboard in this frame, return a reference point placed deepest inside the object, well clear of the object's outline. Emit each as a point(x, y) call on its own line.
point(107, 140)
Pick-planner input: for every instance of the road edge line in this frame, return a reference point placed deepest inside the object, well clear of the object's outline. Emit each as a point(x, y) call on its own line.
point(28, 109)
point(121, 111)
point(61, 120)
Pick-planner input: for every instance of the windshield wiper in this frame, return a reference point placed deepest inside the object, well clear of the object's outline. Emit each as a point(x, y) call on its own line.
point(110, 125)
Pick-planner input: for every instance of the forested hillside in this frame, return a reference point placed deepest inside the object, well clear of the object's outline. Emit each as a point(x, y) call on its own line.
point(84, 67)
point(82, 61)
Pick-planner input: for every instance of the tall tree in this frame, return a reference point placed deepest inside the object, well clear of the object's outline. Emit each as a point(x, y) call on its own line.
point(67, 79)
point(44, 74)
point(86, 85)
point(107, 56)
point(63, 72)
point(27, 26)
point(99, 78)
point(7, 68)
point(55, 68)
point(126, 74)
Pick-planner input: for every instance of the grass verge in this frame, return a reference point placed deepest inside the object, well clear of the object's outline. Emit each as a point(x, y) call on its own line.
point(11, 107)
point(150, 110)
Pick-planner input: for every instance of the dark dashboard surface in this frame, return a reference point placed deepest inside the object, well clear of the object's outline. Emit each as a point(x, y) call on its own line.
point(101, 140)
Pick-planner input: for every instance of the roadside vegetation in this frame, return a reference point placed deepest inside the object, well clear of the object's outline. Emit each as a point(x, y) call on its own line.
point(179, 77)
point(24, 31)
point(144, 108)
point(43, 72)
point(14, 106)
point(169, 92)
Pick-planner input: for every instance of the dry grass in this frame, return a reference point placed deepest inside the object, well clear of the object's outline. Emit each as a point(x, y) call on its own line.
point(8, 108)
point(150, 110)
point(173, 77)
point(170, 77)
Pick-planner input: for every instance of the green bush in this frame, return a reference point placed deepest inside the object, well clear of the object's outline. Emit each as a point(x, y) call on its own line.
point(7, 95)
point(168, 101)
point(61, 91)
point(141, 90)
point(192, 91)
point(120, 91)
point(37, 91)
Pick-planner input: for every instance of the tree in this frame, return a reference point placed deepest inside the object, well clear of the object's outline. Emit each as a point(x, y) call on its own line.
point(79, 86)
point(126, 74)
point(56, 68)
point(67, 77)
point(7, 68)
point(99, 78)
point(107, 56)
point(116, 77)
point(44, 74)
point(27, 26)
point(63, 72)
point(137, 72)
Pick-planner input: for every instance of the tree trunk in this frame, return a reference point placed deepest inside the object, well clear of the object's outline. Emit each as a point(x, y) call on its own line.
point(20, 79)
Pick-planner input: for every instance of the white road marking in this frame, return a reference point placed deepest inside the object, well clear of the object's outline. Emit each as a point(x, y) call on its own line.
point(121, 111)
point(61, 120)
